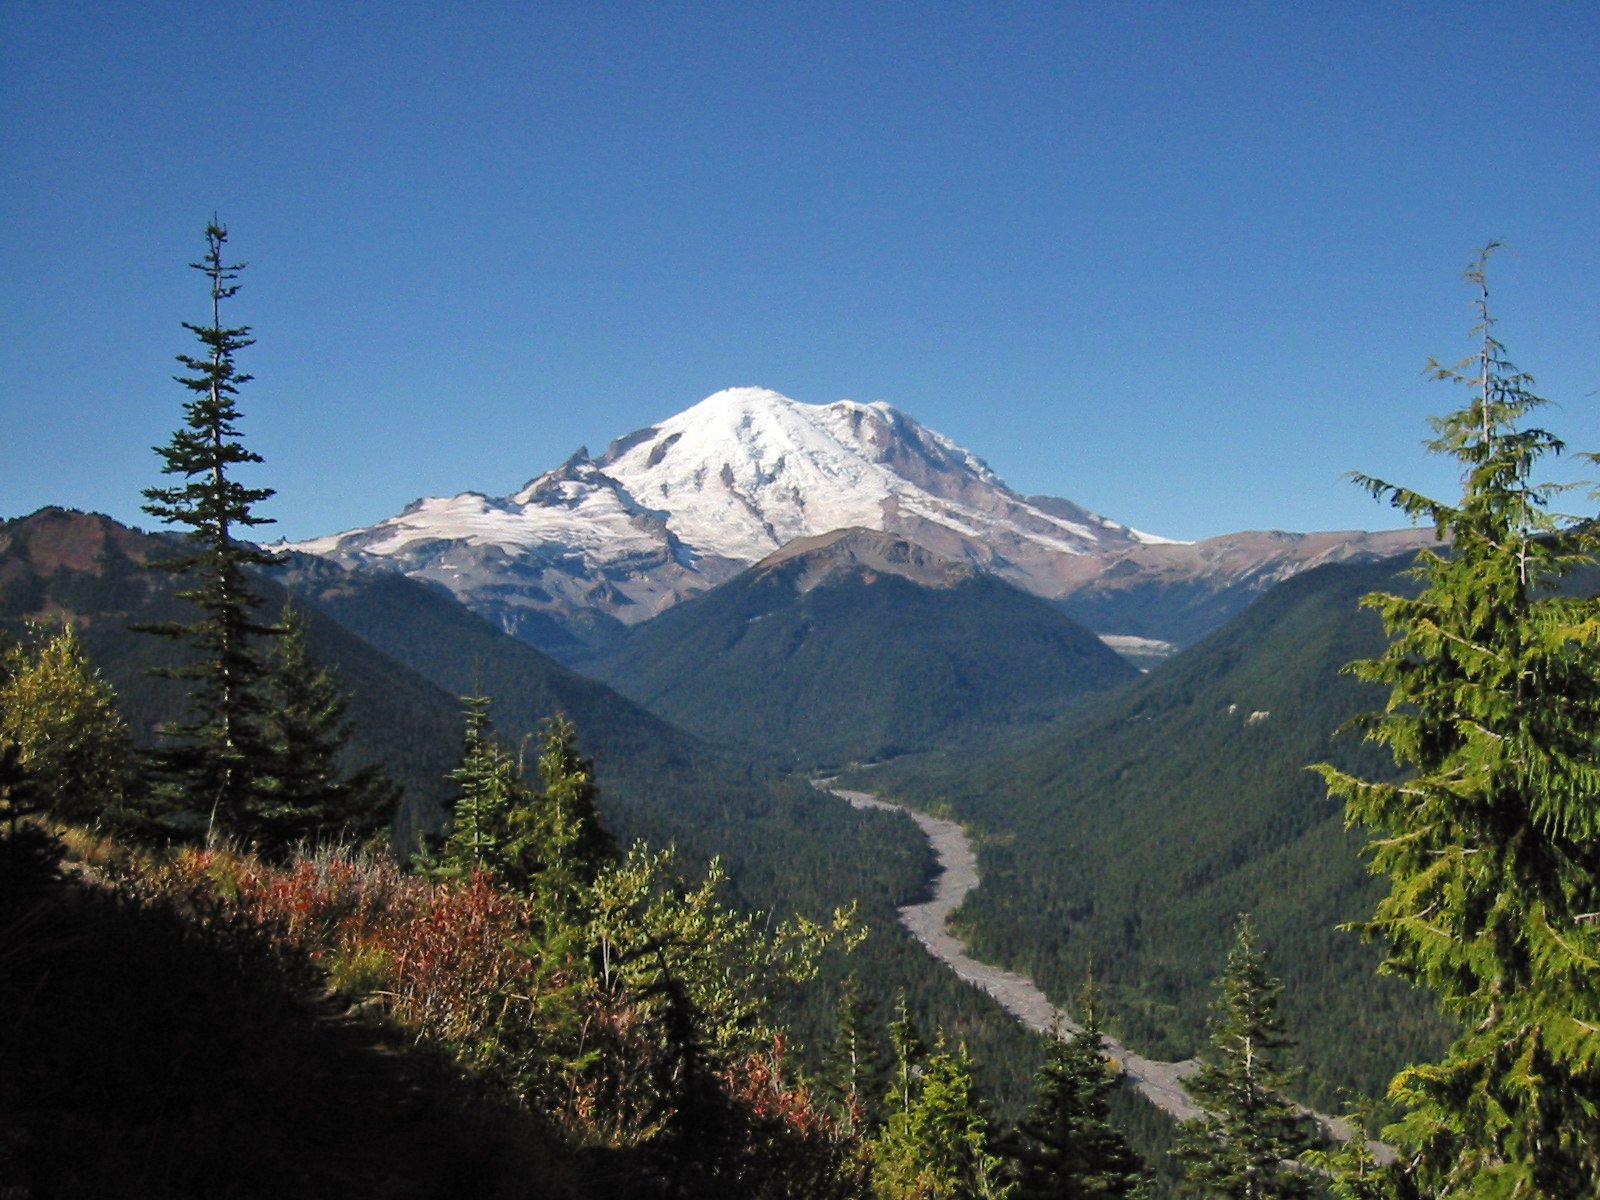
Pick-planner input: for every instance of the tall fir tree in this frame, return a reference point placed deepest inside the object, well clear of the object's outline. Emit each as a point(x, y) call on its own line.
point(306, 792)
point(217, 758)
point(1243, 1146)
point(1066, 1145)
point(1492, 846)
point(557, 844)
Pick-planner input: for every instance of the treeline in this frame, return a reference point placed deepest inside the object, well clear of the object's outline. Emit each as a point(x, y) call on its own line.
point(628, 1008)
point(584, 942)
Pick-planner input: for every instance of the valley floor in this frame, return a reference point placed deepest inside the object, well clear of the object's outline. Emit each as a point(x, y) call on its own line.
point(1159, 1082)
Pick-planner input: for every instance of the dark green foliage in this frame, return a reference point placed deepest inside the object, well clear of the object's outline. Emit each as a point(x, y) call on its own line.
point(489, 786)
point(86, 570)
point(1491, 846)
point(1244, 1145)
point(546, 841)
point(863, 666)
point(306, 793)
point(217, 764)
point(562, 840)
point(852, 1078)
point(1066, 1146)
point(1131, 835)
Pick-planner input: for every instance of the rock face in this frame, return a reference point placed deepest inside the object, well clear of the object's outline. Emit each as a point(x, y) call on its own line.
point(677, 508)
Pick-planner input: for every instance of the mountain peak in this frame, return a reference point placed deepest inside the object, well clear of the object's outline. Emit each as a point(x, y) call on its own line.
point(681, 505)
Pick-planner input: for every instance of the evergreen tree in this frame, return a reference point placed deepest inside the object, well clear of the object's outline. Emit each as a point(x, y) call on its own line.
point(938, 1147)
point(306, 793)
point(1492, 847)
point(910, 1054)
point(69, 748)
point(219, 757)
point(1067, 1145)
point(851, 1062)
point(16, 792)
point(556, 838)
point(547, 843)
point(490, 788)
point(1241, 1147)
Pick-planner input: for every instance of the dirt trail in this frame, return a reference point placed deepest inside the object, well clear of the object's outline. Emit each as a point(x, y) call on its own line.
point(1160, 1082)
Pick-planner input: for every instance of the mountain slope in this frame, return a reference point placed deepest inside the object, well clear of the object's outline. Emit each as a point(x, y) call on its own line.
point(1179, 592)
point(1131, 836)
point(61, 565)
point(857, 646)
point(787, 849)
point(673, 509)
point(595, 545)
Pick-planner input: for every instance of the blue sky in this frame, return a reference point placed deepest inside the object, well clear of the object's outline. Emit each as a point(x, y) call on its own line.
point(1181, 263)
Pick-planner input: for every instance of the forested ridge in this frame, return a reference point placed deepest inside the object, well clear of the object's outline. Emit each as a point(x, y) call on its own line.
point(593, 1004)
point(862, 666)
point(1131, 835)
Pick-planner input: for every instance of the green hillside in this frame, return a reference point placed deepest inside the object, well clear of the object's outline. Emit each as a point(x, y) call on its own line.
point(864, 665)
point(407, 653)
point(1131, 835)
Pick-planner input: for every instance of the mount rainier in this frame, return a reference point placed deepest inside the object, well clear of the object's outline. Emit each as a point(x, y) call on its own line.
point(678, 507)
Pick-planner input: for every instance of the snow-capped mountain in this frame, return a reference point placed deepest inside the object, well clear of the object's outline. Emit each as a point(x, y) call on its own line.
point(678, 507)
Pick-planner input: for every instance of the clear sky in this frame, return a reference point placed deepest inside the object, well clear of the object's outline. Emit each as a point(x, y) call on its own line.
point(1179, 262)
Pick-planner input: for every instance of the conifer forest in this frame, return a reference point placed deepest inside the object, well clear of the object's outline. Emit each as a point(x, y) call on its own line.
point(319, 884)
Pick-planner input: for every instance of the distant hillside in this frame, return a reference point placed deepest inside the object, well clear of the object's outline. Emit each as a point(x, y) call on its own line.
point(788, 849)
point(61, 565)
point(857, 646)
point(1131, 835)
point(1179, 592)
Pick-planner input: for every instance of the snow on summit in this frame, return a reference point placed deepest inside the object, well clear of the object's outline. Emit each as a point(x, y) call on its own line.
point(677, 507)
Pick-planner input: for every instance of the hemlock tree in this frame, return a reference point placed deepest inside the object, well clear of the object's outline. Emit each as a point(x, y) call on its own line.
point(1243, 1145)
point(306, 792)
point(1067, 1146)
point(1492, 848)
point(219, 759)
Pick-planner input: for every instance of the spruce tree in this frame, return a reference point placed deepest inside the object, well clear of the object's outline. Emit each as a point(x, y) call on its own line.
point(1067, 1146)
point(1243, 1145)
point(218, 759)
point(306, 792)
point(1492, 846)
